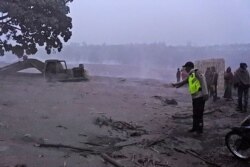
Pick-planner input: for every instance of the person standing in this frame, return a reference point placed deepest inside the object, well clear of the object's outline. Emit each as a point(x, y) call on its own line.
point(208, 76)
point(242, 82)
point(198, 90)
point(178, 75)
point(214, 83)
point(228, 84)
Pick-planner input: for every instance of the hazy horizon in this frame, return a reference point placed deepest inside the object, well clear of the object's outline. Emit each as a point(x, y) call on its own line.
point(173, 22)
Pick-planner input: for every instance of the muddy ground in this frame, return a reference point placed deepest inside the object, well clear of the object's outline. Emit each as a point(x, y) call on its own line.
point(133, 121)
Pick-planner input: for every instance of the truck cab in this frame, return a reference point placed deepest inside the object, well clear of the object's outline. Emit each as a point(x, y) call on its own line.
point(56, 70)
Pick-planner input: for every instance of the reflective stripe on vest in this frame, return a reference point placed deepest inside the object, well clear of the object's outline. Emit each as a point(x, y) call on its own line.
point(193, 84)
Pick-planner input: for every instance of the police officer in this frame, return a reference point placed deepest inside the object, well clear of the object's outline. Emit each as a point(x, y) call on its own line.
point(198, 90)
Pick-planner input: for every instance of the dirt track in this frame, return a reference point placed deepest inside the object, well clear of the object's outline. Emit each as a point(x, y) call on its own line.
point(120, 117)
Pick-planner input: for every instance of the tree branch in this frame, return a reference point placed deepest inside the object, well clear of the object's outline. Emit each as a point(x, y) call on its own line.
point(16, 28)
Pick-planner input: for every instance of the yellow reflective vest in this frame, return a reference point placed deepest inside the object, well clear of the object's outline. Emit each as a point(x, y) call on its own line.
point(193, 84)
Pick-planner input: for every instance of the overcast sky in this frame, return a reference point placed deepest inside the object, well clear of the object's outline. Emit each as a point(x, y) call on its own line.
point(175, 22)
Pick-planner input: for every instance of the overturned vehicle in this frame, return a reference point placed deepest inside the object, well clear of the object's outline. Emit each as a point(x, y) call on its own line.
point(52, 70)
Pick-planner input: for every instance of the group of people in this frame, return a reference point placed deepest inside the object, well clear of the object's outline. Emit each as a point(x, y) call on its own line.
point(202, 86)
point(240, 80)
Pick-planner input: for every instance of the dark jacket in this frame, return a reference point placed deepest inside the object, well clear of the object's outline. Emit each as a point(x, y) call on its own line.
point(241, 78)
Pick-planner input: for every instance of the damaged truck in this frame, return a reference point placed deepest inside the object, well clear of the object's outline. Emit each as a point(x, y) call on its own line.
point(52, 70)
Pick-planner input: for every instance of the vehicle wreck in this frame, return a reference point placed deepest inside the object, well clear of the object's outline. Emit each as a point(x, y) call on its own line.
point(52, 70)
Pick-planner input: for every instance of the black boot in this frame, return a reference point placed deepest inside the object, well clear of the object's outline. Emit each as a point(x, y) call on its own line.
point(200, 128)
point(239, 108)
point(192, 130)
point(244, 109)
point(200, 131)
point(194, 126)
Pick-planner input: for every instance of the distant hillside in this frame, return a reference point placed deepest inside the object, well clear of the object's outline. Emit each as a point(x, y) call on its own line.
point(142, 60)
point(151, 55)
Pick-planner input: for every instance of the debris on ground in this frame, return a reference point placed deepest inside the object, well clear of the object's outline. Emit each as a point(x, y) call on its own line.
point(165, 101)
point(131, 129)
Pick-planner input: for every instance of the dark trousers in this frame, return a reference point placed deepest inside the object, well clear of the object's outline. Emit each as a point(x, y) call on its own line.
point(215, 92)
point(242, 93)
point(198, 110)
